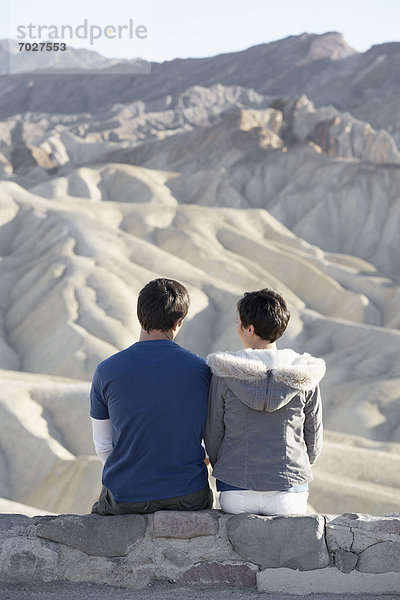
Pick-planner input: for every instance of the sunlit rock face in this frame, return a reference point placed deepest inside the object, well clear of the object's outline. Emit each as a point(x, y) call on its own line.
point(226, 188)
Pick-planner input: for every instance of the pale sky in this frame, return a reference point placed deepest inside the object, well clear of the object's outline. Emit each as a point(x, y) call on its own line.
point(180, 28)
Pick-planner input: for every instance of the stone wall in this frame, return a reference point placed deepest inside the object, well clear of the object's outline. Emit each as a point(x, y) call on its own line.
point(298, 554)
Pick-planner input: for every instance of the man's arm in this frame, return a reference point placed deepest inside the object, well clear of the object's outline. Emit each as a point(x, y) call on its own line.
point(215, 427)
point(102, 438)
point(313, 430)
point(101, 424)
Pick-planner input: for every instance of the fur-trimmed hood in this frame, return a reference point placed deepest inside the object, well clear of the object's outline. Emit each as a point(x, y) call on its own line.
point(267, 379)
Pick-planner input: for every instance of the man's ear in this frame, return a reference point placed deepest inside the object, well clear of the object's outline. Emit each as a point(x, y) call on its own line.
point(177, 324)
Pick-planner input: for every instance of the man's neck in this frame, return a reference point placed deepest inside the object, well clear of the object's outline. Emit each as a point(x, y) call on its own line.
point(155, 334)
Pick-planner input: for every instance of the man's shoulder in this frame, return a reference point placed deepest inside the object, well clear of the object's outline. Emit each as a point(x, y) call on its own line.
point(192, 363)
point(114, 359)
point(189, 355)
point(138, 351)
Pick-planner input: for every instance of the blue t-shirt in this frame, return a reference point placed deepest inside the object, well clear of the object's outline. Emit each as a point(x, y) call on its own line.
point(155, 394)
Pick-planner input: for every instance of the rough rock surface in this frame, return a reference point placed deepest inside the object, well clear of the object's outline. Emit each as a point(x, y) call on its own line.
point(367, 543)
point(31, 560)
point(295, 542)
point(171, 523)
point(356, 532)
point(125, 551)
point(93, 534)
point(345, 561)
point(327, 581)
point(227, 574)
point(383, 557)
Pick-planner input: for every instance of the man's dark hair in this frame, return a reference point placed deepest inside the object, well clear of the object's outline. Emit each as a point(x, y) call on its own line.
point(160, 303)
point(267, 311)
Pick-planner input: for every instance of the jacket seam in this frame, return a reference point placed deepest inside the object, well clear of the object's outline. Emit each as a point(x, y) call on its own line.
point(246, 444)
point(286, 448)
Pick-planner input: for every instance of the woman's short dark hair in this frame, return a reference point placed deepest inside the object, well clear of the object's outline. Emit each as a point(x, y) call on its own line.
point(267, 311)
point(160, 303)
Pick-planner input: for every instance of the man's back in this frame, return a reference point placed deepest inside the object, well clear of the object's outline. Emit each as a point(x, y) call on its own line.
point(155, 394)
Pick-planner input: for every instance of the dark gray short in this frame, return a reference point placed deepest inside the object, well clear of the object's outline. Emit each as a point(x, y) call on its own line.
point(106, 505)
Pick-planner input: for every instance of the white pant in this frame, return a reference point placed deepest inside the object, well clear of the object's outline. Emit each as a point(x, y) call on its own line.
point(264, 503)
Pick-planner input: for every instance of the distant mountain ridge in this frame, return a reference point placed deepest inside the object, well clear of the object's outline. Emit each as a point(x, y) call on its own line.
point(323, 67)
point(313, 47)
point(76, 59)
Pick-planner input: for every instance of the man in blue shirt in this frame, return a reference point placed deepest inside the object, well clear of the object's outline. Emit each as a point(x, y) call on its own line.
point(148, 407)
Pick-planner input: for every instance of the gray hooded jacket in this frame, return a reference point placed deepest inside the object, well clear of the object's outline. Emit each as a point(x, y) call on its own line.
point(264, 422)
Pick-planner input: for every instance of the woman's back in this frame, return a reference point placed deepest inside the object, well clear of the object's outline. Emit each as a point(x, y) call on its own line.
point(272, 426)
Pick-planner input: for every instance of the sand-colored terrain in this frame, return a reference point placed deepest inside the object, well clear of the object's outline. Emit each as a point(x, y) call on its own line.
point(226, 191)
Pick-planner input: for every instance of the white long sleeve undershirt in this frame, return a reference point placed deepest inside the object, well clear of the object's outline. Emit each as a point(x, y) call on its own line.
point(102, 438)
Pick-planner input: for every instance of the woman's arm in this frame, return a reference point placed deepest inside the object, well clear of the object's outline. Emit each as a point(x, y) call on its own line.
point(215, 427)
point(313, 430)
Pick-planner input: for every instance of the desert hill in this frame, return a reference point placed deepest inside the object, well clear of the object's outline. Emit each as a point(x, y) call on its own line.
point(319, 171)
point(203, 172)
point(323, 67)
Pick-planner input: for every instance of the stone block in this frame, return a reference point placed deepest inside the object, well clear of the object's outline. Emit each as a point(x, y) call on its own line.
point(11, 525)
point(345, 561)
point(94, 534)
point(327, 581)
point(26, 559)
point(177, 557)
point(77, 567)
point(215, 573)
point(184, 524)
point(297, 542)
point(135, 579)
point(363, 539)
point(380, 558)
point(377, 525)
point(366, 531)
point(338, 537)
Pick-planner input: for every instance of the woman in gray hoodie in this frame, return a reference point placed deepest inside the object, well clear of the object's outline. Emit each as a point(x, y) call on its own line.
point(264, 425)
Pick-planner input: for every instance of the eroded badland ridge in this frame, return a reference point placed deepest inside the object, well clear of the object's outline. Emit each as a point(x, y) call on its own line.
point(278, 166)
